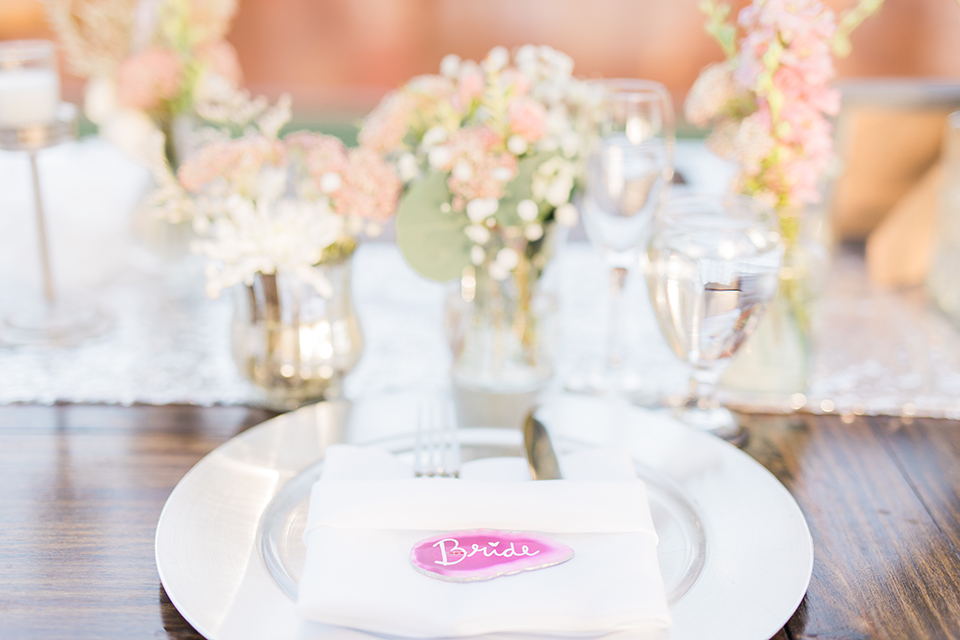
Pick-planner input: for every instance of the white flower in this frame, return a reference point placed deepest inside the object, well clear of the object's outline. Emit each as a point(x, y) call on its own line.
point(130, 131)
point(271, 184)
point(497, 59)
point(438, 157)
point(558, 193)
point(528, 210)
point(517, 145)
point(100, 99)
point(479, 209)
point(553, 181)
point(570, 143)
point(330, 182)
point(269, 236)
point(713, 89)
point(753, 143)
point(533, 232)
point(478, 233)
point(450, 65)
point(407, 168)
point(498, 272)
point(462, 170)
point(434, 136)
point(213, 88)
point(508, 258)
point(272, 120)
point(477, 255)
point(526, 56)
point(502, 174)
point(567, 215)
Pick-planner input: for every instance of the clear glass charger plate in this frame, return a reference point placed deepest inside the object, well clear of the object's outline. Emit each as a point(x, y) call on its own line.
point(681, 549)
point(734, 548)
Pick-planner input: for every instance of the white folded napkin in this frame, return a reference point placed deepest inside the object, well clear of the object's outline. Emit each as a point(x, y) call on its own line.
point(367, 512)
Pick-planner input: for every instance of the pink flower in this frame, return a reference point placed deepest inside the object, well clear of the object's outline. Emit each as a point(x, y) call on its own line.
point(710, 94)
point(470, 86)
point(722, 137)
point(147, 78)
point(784, 150)
point(518, 82)
point(418, 102)
point(800, 180)
point(430, 95)
point(237, 162)
point(478, 165)
point(754, 142)
point(322, 154)
point(527, 118)
point(220, 58)
point(370, 188)
point(386, 127)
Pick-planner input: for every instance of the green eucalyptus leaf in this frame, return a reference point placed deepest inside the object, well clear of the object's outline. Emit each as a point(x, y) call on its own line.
point(431, 241)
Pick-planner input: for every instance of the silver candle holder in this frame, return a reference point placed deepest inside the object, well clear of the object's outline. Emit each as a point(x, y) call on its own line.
point(32, 119)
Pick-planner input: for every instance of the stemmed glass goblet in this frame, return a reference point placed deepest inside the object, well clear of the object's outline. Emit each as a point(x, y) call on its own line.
point(714, 264)
point(627, 127)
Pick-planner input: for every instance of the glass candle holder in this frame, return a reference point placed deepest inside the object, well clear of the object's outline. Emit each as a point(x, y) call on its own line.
point(29, 83)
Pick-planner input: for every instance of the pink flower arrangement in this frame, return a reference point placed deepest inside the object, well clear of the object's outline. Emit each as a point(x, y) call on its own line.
point(357, 182)
point(477, 124)
point(370, 187)
point(175, 49)
point(233, 164)
point(770, 100)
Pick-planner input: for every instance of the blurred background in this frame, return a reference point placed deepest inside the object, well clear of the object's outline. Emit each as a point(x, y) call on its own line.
point(338, 57)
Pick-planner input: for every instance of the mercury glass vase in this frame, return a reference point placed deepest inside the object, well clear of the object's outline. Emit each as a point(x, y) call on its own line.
point(293, 343)
point(502, 334)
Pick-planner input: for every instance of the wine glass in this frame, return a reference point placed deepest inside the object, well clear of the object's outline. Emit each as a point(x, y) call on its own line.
point(627, 126)
point(714, 264)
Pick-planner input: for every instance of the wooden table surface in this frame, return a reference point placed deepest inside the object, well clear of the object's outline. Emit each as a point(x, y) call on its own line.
point(81, 489)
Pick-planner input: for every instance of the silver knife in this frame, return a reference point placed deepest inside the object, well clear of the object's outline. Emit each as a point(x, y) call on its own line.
point(540, 454)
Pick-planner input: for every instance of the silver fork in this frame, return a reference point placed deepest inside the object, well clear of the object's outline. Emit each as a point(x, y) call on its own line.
point(436, 450)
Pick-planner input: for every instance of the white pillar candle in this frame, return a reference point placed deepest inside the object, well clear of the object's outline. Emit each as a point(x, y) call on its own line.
point(28, 97)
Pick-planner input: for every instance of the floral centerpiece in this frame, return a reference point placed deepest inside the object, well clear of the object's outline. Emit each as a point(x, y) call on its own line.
point(278, 219)
point(148, 63)
point(768, 104)
point(487, 154)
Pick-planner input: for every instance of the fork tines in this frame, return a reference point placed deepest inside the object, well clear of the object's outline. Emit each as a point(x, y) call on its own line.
point(436, 449)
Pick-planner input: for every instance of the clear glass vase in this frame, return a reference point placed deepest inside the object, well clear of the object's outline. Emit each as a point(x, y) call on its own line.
point(776, 362)
point(502, 334)
point(945, 261)
point(293, 343)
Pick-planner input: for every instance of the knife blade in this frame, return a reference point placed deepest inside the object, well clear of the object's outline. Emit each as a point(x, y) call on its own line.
point(541, 456)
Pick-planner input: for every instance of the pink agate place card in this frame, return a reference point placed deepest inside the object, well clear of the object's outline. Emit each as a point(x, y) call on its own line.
point(484, 554)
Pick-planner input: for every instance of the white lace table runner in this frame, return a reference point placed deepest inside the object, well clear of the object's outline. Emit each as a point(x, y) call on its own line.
point(877, 352)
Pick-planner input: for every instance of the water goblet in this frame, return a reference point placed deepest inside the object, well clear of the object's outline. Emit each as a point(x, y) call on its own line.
point(714, 264)
point(627, 128)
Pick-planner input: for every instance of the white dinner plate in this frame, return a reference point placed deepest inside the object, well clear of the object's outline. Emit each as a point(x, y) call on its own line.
point(735, 551)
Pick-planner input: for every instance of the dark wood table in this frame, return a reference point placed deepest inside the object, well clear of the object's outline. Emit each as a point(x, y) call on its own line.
point(81, 488)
